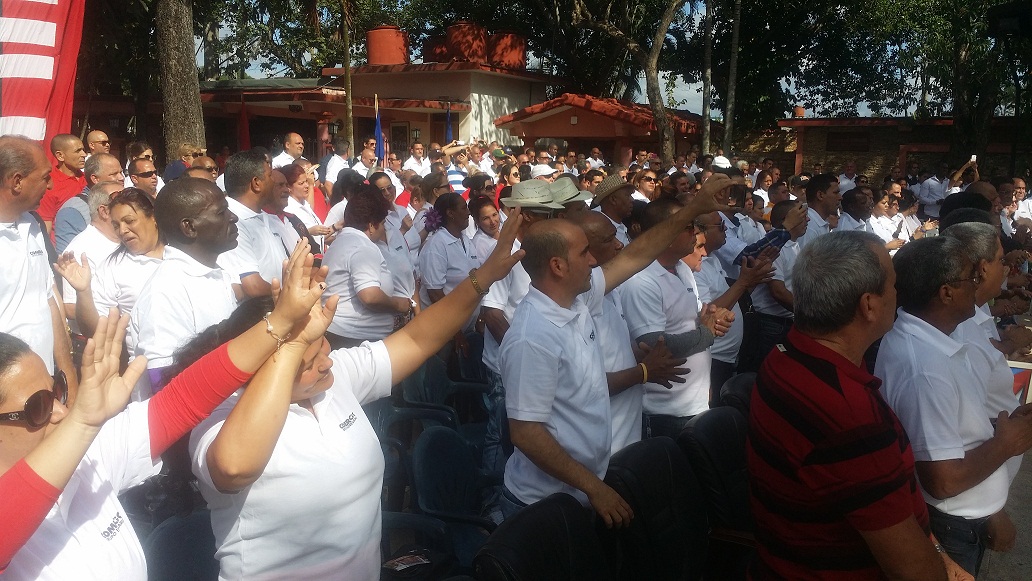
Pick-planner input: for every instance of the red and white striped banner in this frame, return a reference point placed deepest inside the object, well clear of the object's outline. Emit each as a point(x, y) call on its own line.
point(39, 47)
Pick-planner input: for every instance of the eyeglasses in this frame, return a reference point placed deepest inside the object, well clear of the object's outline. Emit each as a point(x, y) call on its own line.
point(211, 168)
point(105, 142)
point(975, 279)
point(196, 154)
point(146, 174)
point(40, 405)
point(648, 179)
point(388, 188)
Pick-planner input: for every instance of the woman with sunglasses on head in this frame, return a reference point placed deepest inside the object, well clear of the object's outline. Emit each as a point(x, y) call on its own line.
point(118, 279)
point(139, 150)
point(645, 185)
point(292, 469)
point(62, 468)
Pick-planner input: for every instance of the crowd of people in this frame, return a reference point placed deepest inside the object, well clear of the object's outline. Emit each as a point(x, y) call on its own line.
point(248, 306)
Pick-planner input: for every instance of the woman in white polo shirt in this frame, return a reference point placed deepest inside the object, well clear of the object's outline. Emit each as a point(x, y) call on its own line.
point(359, 275)
point(62, 468)
point(448, 254)
point(292, 469)
point(300, 189)
point(489, 223)
point(118, 280)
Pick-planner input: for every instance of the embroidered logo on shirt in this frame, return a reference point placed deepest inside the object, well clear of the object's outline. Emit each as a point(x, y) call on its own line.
point(592, 336)
point(35, 253)
point(348, 422)
point(113, 528)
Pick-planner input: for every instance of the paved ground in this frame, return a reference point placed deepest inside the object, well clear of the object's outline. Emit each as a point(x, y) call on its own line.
point(1016, 565)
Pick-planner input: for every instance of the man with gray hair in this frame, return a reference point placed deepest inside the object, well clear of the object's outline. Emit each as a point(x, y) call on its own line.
point(933, 384)
point(832, 483)
point(74, 214)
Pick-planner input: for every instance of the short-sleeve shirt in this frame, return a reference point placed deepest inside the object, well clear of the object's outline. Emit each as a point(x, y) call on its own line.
point(26, 287)
point(65, 187)
point(816, 227)
point(763, 301)
point(484, 245)
point(712, 282)
point(553, 374)
point(420, 166)
point(615, 341)
point(504, 295)
point(396, 252)
point(119, 278)
point(314, 513)
point(257, 250)
point(444, 262)
point(941, 401)
point(658, 301)
point(355, 264)
point(70, 220)
point(827, 458)
point(97, 249)
point(87, 533)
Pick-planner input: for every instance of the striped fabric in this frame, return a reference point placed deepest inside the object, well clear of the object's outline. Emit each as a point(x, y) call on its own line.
point(39, 46)
point(827, 458)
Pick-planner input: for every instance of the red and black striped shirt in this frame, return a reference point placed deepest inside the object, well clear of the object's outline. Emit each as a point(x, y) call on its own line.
point(827, 458)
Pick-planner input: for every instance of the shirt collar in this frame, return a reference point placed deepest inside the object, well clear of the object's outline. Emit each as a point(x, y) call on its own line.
point(242, 211)
point(924, 332)
point(551, 310)
point(190, 266)
point(809, 345)
point(816, 218)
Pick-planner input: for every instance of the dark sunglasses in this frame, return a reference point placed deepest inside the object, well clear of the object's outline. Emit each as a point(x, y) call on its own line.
point(105, 142)
point(146, 174)
point(40, 405)
point(196, 154)
point(648, 179)
point(211, 168)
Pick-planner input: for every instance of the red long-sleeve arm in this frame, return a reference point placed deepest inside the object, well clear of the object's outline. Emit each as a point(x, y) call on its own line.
point(25, 500)
point(191, 396)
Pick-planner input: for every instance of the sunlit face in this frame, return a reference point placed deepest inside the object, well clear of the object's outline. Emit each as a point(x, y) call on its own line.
point(281, 190)
point(24, 378)
point(579, 260)
point(881, 207)
point(993, 275)
point(73, 154)
point(386, 187)
point(514, 176)
point(417, 150)
point(33, 186)
point(315, 375)
point(647, 184)
point(694, 260)
point(768, 181)
point(300, 189)
point(137, 231)
point(488, 220)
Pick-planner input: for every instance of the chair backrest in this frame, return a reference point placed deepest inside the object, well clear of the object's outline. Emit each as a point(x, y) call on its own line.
point(669, 534)
point(182, 547)
point(550, 539)
point(714, 442)
point(737, 391)
point(445, 475)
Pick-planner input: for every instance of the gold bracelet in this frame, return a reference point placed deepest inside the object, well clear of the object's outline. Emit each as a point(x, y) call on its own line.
point(268, 329)
point(476, 284)
point(644, 373)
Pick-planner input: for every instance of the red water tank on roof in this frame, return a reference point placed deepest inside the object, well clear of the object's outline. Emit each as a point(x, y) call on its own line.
point(387, 45)
point(507, 50)
point(435, 50)
point(467, 41)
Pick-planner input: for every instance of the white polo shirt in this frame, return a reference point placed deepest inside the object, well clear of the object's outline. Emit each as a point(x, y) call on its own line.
point(816, 227)
point(504, 295)
point(304, 212)
point(940, 399)
point(656, 300)
point(118, 280)
point(26, 287)
point(847, 222)
point(257, 250)
point(614, 339)
point(283, 159)
point(749, 230)
point(355, 264)
point(621, 229)
point(97, 248)
point(314, 513)
point(334, 167)
point(182, 298)
point(445, 262)
point(282, 230)
point(336, 213)
point(420, 166)
point(484, 244)
point(396, 252)
point(712, 282)
point(87, 534)
point(733, 246)
point(763, 301)
point(883, 227)
point(553, 374)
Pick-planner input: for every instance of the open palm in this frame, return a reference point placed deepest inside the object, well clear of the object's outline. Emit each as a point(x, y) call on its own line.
point(78, 275)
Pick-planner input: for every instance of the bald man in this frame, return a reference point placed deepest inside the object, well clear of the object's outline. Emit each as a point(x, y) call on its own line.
point(67, 176)
point(97, 142)
point(293, 149)
point(208, 165)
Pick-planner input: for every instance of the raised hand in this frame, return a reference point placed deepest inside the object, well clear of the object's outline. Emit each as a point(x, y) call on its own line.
point(78, 275)
point(663, 368)
point(756, 270)
point(796, 217)
point(103, 393)
point(302, 286)
point(713, 196)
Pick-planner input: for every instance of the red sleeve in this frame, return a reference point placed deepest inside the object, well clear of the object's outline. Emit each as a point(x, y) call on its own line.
point(25, 500)
point(191, 396)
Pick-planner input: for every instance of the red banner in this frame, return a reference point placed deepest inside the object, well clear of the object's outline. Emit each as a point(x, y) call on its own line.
point(39, 47)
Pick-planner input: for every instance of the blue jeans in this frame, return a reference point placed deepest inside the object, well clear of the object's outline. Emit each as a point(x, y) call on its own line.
point(510, 504)
point(963, 538)
point(494, 457)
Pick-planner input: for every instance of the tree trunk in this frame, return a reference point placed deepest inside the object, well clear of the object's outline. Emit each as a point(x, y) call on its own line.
point(182, 120)
point(659, 113)
point(732, 77)
point(212, 57)
point(349, 120)
point(707, 75)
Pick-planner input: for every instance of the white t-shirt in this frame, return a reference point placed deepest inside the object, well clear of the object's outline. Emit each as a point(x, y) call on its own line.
point(283, 159)
point(334, 167)
point(712, 282)
point(97, 248)
point(314, 513)
point(336, 213)
point(763, 301)
point(355, 264)
point(655, 300)
point(614, 340)
point(445, 262)
point(931, 384)
point(257, 250)
point(504, 295)
point(883, 227)
point(553, 374)
point(26, 287)
point(182, 298)
point(118, 280)
point(420, 166)
point(87, 534)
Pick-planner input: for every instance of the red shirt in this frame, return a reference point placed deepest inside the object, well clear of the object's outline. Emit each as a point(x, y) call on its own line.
point(64, 188)
point(827, 458)
point(403, 199)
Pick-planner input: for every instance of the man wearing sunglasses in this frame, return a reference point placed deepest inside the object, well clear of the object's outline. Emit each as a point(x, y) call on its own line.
point(98, 142)
point(144, 176)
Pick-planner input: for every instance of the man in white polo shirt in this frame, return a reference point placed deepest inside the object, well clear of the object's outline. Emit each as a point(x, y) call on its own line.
point(613, 200)
point(557, 398)
point(941, 402)
point(293, 149)
point(416, 162)
point(258, 256)
point(28, 304)
point(822, 200)
point(188, 292)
